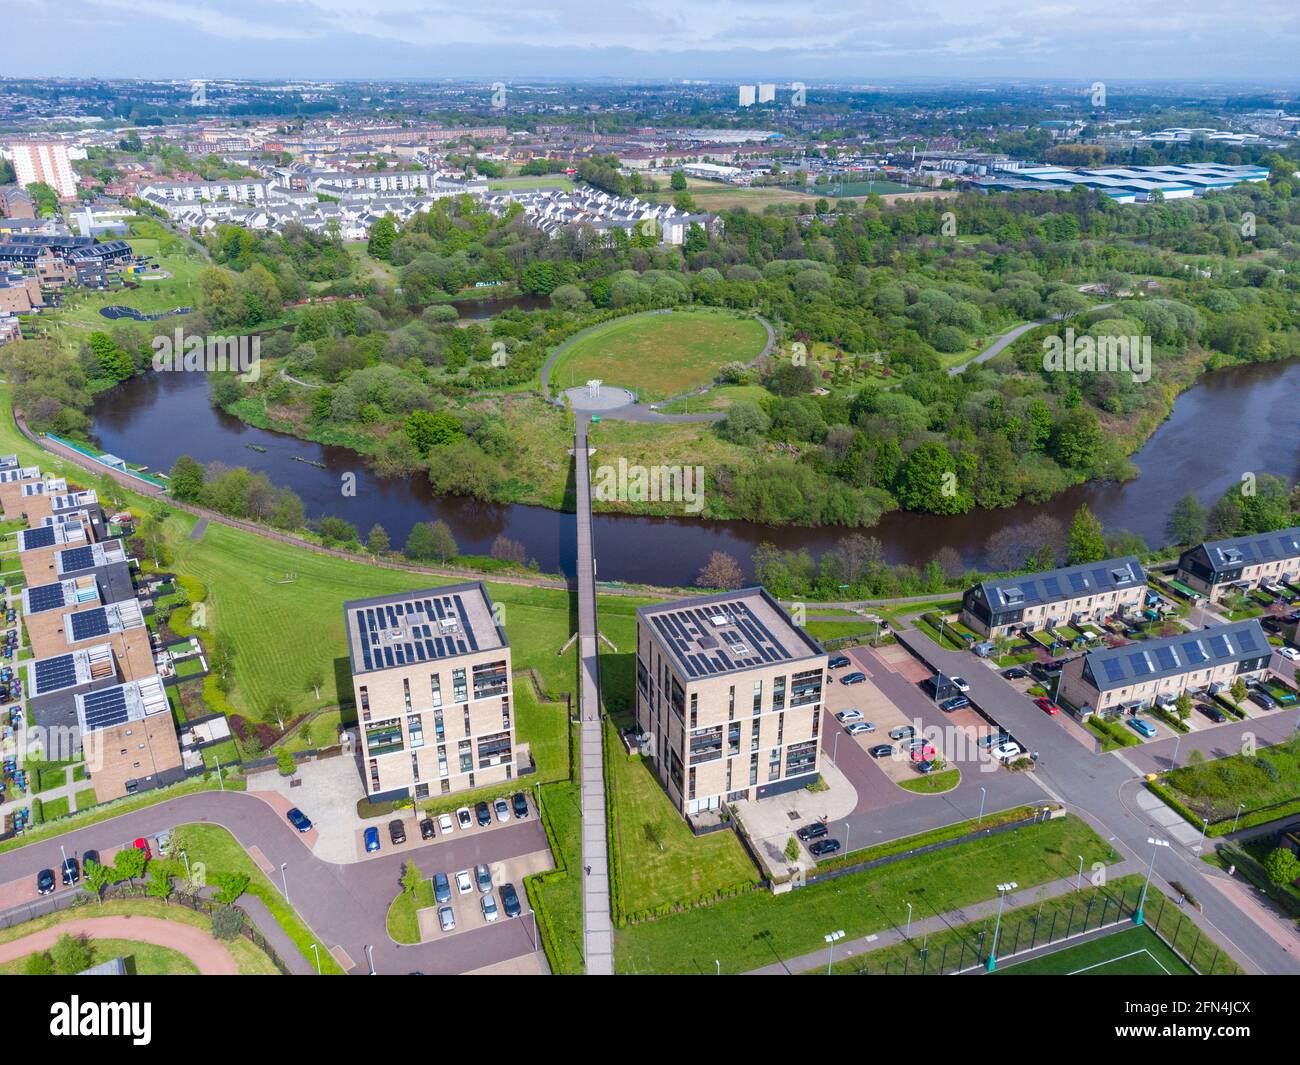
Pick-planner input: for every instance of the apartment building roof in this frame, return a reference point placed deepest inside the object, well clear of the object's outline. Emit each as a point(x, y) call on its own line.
point(1137, 663)
point(13, 473)
point(90, 556)
point(52, 535)
point(133, 701)
point(728, 633)
point(1252, 550)
point(1068, 582)
point(74, 669)
point(60, 594)
point(392, 631)
point(106, 620)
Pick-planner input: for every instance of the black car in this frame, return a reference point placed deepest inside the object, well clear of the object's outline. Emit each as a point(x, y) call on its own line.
point(397, 831)
point(520, 804)
point(881, 750)
point(1015, 673)
point(955, 703)
point(426, 828)
point(90, 858)
point(838, 662)
point(813, 831)
point(510, 900)
point(1260, 698)
point(824, 847)
point(71, 872)
point(482, 814)
point(45, 881)
point(1212, 712)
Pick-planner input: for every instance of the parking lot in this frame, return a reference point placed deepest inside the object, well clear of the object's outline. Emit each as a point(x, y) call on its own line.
point(457, 823)
point(466, 897)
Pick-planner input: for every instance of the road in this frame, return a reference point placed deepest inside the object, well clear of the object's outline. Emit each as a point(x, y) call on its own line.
point(346, 905)
point(1103, 790)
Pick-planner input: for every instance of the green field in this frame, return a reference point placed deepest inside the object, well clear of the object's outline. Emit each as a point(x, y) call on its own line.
point(659, 355)
point(1214, 788)
point(1135, 951)
point(836, 189)
point(141, 959)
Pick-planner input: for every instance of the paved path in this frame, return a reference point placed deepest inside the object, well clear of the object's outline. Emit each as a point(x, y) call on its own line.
point(598, 928)
point(1104, 790)
point(210, 956)
point(1009, 337)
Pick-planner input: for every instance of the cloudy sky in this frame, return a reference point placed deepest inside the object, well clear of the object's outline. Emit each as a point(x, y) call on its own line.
point(1192, 40)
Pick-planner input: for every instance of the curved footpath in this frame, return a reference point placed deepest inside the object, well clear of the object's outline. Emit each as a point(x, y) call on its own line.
point(208, 954)
point(346, 905)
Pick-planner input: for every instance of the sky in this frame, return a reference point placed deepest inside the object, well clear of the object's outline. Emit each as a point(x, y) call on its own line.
point(864, 42)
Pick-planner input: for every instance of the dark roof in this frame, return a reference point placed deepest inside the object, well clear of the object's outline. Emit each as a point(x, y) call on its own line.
point(1068, 582)
point(1250, 550)
point(1136, 663)
point(391, 631)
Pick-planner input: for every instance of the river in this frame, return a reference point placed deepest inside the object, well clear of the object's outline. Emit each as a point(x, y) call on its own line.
point(1242, 419)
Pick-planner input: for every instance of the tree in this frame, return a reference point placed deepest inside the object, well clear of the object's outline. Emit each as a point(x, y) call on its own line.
point(442, 543)
point(720, 571)
point(160, 883)
point(98, 877)
point(39, 964)
point(1282, 866)
point(377, 541)
point(129, 863)
point(1186, 524)
point(227, 922)
point(428, 429)
point(383, 234)
point(678, 181)
point(792, 850)
point(284, 762)
point(230, 886)
point(505, 549)
point(411, 879)
point(1183, 706)
point(1239, 690)
point(186, 480)
point(315, 678)
point(1087, 544)
point(71, 955)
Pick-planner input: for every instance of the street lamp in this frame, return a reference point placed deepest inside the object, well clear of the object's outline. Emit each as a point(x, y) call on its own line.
point(1079, 883)
point(831, 939)
point(1240, 806)
point(284, 880)
point(317, 953)
point(1200, 843)
point(983, 795)
point(1177, 740)
point(717, 965)
point(992, 963)
point(370, 956)
point(1156, 844)
point(908, 933)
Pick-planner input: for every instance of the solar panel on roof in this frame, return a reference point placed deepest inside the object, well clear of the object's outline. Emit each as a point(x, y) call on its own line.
point(1053, 587)
point(55, 673)
point(40, 537)
point(1219, 645)
point(1246, 640)
point(1194, 652)
point(105, 708)
point(1166, 658)
point(45, 597)
point(89, 624)
point(1140, 665)
point(1078, 582)
point(1114, 670)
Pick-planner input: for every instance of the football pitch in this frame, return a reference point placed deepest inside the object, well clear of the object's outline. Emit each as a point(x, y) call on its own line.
point(1133, 952)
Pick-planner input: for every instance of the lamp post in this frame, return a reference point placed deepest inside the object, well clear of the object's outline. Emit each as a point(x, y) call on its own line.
point(1236, 820)
point(992, 963)
point(1156, 844)
point(284, 881)
point(717, 965)
point(1200, 843)
point(317, 953)
point(908, 933)
point(983, 796)
point(1079, 883)
point(831, 939)
point(1177, 740)
point(370, 956)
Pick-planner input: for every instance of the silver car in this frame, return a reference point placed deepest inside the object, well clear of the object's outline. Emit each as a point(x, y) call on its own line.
point(502, 809)
point(446, 919)
point(483, 877)
point(489, 904)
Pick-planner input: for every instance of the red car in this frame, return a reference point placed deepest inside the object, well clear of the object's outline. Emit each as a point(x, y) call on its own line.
point(1047, 706)
point(142, 844)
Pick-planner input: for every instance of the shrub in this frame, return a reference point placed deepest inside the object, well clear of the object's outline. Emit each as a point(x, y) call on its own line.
point(227, 922)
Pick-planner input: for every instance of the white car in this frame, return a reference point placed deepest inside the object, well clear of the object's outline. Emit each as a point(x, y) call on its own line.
point(502, 809)
point(1289, 652)
point(445, 824)
point(1004, 752)
point(859, 727)
point(490, 911)
point(845, 716)
point(960, 684)
point(463, 817)
point(464, 882)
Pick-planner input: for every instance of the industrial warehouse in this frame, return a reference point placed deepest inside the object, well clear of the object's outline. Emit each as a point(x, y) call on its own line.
point(1125, 184)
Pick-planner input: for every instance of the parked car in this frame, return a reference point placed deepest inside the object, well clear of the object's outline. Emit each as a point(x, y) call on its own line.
point(372, 839)
point(299, 820)
point(445, 824)
point(1046, 705)
point(1143, 728)
point(881, 750)
point(812, 830)
point(955, 703)
point(853, 678)
point(1289, 652)
point(463, 818)
point(510, 900)
point(446, 919)
point(992, 740)
point(902, 732)
point(142, 844)
point(483, 877)
point(959, 683)
point(928, 766)
point(482, 814)
point(520, 804)
point(917, 743)
point(502, 809)
point(838, 662)
point(45, 881)
point(490, 911)
point(426, 828)
point(396, 831)
point(823, 847)
point(464, 882)
point(1212, 712)
point(1004, 752)
point(71, 871)
point(441, 888)
point(1263, 699)
point(858, 728)
point(1015, 673)
point(164, 841)
point(90, 857)
point(845, 716)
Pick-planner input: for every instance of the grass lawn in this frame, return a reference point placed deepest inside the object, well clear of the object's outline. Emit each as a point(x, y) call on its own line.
point(933, 783)
point(142, 959)
point(1214, 788)
point(403, 924)
point(52, 808)
point(659, 355)
point(557, 896)
point(86, 798)
point(757, 929)
point(1135, 951)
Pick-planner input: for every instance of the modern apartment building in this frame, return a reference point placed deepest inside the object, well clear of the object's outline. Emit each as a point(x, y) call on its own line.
point(47, 162)
point(729, 695)
point(12, 481)
point(1220, 567)
point(432, 680)
point(40, 547)
point(1070, 595)
point(1114, 679)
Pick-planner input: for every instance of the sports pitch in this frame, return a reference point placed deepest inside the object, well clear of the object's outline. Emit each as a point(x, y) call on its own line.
point(1132, 952)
